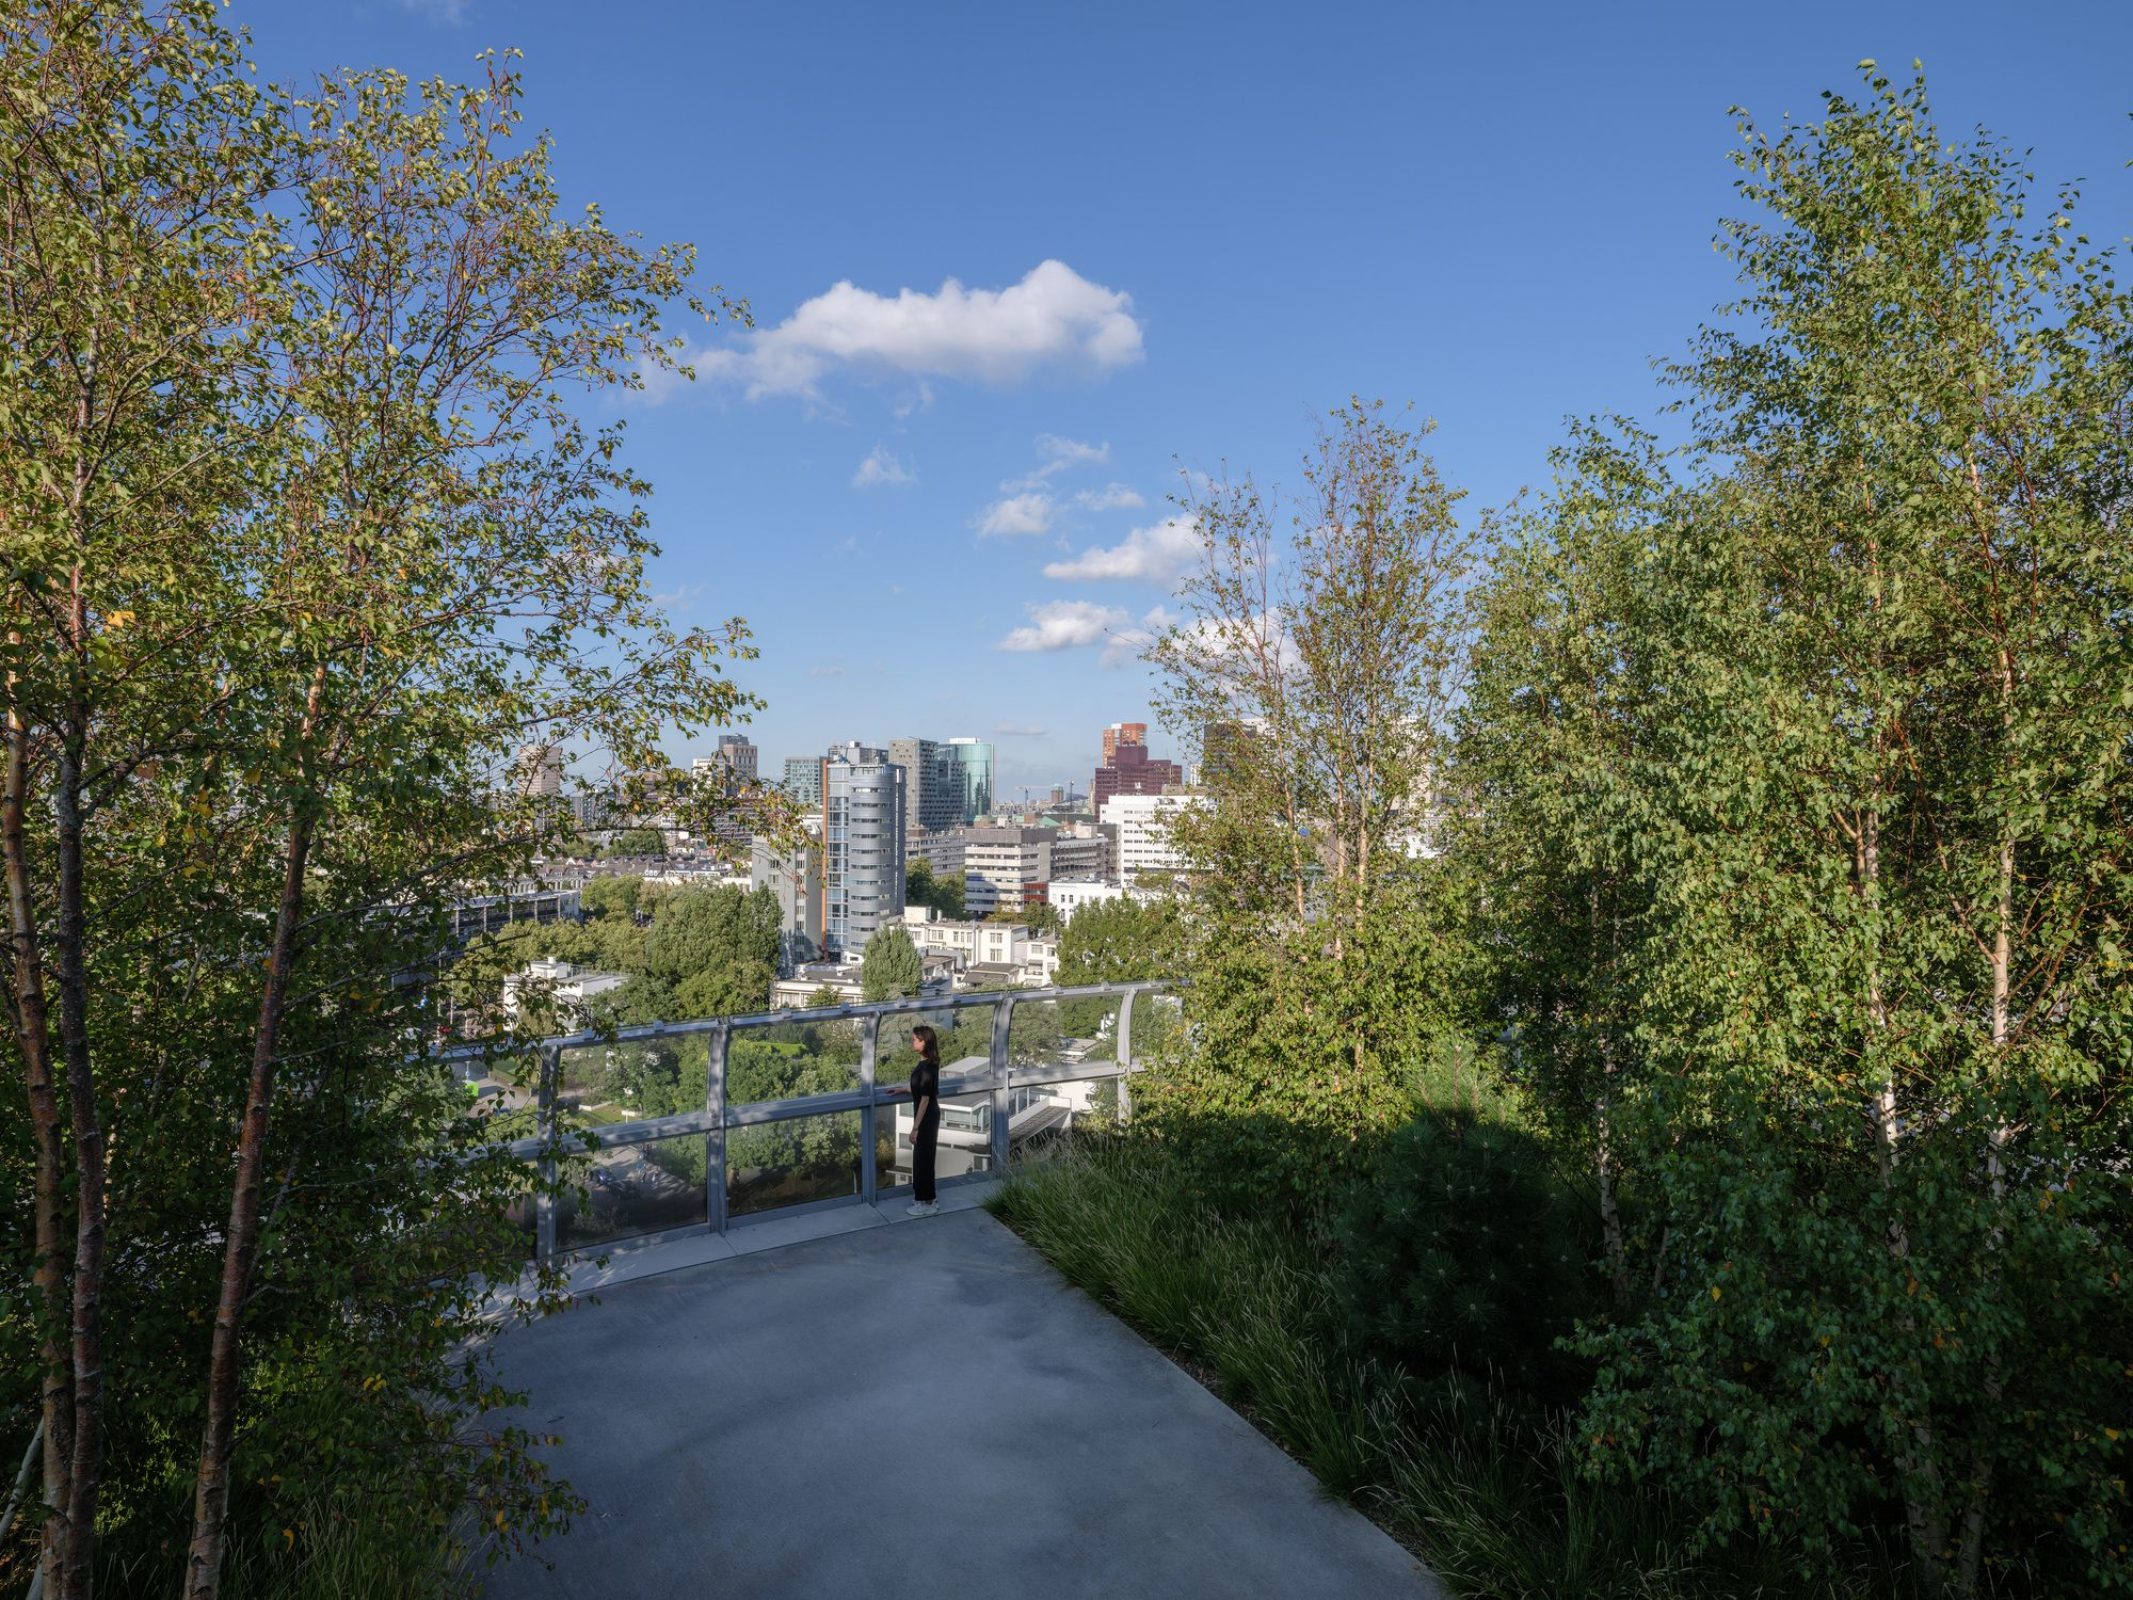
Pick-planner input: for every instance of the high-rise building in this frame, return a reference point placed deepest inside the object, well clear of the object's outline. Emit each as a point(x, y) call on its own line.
point(540, 771)
point(933, 783)
point(1005, 869)
point(1123, 733)
point(862, 833)
point(735, 755)
point(1131, 770)
point(803, 779)
point(974, 758)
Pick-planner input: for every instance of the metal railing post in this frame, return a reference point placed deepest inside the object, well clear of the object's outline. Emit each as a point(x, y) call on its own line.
point(869, 1046)
point(1003, 1022)
point(544, 1218)
point(1125, 1053)
point(715, 1138)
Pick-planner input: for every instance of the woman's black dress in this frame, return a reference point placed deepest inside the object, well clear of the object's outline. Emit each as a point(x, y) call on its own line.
point(925, 1134)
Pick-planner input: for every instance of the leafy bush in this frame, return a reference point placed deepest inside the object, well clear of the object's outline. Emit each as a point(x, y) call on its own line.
point(1490, 1496)
point(1460, 1252)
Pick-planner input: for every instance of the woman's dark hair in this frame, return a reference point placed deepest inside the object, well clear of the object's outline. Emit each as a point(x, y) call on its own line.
point(929, 1043)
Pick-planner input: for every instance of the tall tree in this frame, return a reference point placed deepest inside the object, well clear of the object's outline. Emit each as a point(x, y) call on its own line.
point(1549, 806)
point(1881, 995)
point(1319, 675)
point(305, 544)
point(889, 969)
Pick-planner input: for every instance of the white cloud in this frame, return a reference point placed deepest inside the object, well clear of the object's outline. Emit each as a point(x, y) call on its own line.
point(825, 672)
point(1060, 454)
point(1018, 514)
point(1064, 624)
point(1056, 455)
point(452, 11)
point(1019, 730)
point(1156, 554)
point(882, 469)
point(1053, 318)
point(1112, 497)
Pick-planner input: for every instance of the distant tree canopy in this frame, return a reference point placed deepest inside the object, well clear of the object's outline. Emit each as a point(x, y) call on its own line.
point(709, 952)
point(639, 842)
point(611, 897)
point(890, 968)
point(942, 894)
point(1118, 941)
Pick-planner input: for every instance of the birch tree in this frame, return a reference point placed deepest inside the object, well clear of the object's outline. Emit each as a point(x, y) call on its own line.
point(1316, 673)
point(1883, 995)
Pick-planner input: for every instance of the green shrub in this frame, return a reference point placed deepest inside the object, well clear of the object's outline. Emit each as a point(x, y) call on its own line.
point(1461, 1253)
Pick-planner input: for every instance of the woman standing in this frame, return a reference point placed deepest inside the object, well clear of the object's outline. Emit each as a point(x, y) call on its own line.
point(925, 1118)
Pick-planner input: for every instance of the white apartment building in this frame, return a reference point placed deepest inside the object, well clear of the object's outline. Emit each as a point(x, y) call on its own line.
point(1003, 949)
point(1069, 895)
point(562, 985)
point(1144, 846)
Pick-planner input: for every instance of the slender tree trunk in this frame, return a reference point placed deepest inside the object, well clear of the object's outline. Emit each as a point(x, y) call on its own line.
point(1603, 1130)
point(241, 1242)
point(2001, 961)
point(33, 1040)
point(1916, 1468)
point(70, 947)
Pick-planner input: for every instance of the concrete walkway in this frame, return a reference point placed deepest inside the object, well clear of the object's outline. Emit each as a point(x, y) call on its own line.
point(906, 1410)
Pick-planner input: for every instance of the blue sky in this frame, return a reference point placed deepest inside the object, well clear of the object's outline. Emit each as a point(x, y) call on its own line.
point(1499, 213)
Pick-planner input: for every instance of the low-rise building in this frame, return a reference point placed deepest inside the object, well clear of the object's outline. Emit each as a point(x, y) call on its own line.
point(1069, 895)
point(559, 985)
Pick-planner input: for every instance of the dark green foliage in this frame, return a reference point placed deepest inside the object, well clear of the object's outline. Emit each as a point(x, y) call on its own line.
point(708, 953)
point(889, 969)
point(1461, 1252)
point(922, 888)
point(1493, 1499)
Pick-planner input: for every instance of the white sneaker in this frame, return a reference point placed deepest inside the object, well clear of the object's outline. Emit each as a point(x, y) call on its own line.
point(922, 1208)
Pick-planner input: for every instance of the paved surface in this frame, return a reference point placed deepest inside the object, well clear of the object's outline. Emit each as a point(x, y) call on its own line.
point(912, 1410)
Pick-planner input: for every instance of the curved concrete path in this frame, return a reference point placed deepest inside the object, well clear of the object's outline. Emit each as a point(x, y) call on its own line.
point(913, 1410)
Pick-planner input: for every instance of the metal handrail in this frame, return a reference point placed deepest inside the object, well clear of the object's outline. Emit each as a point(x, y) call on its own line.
point(998, 1075)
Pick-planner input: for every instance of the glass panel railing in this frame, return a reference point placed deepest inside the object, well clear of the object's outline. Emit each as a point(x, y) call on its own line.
point(784, 1060)
point(1060, 1035)
point(964, 1144)
point(502, 1094)
point(792, 1162)
point(634, 1189)
point(599, 1085)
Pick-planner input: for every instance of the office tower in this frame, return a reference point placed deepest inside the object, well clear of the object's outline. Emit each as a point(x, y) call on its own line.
point(1123, 733)
point(862, 822)
point(933, 783)
point(734, 755)
point(803, 779)
point(974, 758)
point(540, 771)
point(1005, 869)
point(1144, 843)
point(1129, 769)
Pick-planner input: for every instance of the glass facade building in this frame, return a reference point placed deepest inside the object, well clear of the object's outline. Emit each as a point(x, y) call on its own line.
point(974, 759)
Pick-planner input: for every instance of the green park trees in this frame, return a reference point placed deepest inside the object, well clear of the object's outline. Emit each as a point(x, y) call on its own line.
point(1779, 846)
point(889, 969)
point(290, 437)
point(1319, 669)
